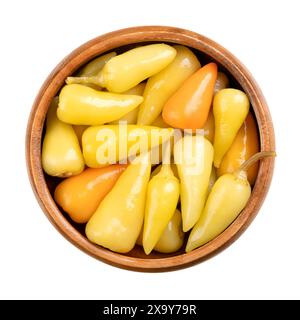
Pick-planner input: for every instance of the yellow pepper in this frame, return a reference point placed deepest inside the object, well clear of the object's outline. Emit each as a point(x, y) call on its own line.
point(230, 107)
point(161, 201)
point(131, 117)
point(245, 144)
point(95, 66)
point(82, 105)
point(104, 145)
point(117, 222)
point(212, 178)
point(226, 200)
point(61, 154)
point(134, 66)
point(193, 156)
point(172, 237)
point(162, 85)
point(128, 69)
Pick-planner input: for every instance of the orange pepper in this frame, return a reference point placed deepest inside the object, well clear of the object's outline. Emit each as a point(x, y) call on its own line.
point(245, 144)
point(81, 195)
point(189, 106)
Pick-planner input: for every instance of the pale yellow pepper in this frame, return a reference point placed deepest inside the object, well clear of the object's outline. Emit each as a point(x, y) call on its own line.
point(128, 69)
point(212, 178)
point(81, 105)
point(226, 200)
point(230, 107)
point(161, 201)
point(131, 117)
point(104, 145)
point(172, 238)
point(193, 156)
point(117, 222)
point(61, 154)
point(161, 86)
point(228, 197)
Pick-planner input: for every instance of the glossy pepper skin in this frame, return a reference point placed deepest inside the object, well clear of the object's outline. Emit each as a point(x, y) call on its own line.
point(226, 200)
point(230, 107)
point(212, 178)
point(172, 237)
point(104, 145)
point(162, 85)
point(161, 201)
point(189, 106)
point(131, 117)
point(245, 145)
point(81, 195)
point(82, 105)
point(61, 153)
point(117, 222)
point(193, 156)
point(128, 69)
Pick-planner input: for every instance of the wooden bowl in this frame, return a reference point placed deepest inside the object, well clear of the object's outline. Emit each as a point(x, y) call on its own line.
point(119, 41)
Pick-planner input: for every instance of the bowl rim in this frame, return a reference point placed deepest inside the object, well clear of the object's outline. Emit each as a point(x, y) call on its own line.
point(113, 40)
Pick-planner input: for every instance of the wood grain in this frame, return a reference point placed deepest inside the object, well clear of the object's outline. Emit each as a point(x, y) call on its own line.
point(43, 185)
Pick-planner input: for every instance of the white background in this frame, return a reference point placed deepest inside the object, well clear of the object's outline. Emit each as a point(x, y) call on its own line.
point(37, 262)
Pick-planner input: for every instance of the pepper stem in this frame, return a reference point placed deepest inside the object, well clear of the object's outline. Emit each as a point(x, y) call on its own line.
point(85, 80)
point(256, 157)
point(165, 170)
